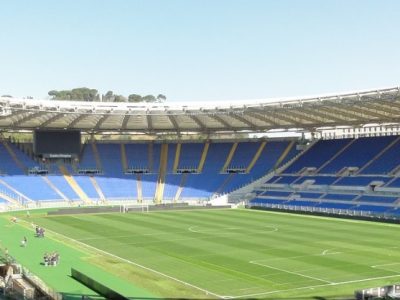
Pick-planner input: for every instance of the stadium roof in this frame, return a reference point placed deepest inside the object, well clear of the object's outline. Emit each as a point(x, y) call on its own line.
point(350, 109)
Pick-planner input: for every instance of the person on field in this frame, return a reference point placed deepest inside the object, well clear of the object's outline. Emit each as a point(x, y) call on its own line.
point(24, 242)
point(46, 259)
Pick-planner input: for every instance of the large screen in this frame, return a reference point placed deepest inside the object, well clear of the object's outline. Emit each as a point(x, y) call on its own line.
point(57, 142)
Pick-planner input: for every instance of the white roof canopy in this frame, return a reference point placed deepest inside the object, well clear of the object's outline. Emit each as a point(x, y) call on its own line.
point(350, 109)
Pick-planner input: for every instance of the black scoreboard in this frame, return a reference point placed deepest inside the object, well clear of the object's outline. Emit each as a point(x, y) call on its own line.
point(57, 143)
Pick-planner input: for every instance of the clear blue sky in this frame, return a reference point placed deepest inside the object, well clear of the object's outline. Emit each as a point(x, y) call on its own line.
point(193, 50)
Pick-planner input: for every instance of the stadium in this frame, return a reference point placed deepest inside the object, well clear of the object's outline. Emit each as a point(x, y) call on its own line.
point(284, 199)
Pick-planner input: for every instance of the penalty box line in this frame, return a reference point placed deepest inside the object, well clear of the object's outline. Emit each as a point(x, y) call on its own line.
point(384, 265)
point(290, 272)
point(315, 286)
point(140, 266)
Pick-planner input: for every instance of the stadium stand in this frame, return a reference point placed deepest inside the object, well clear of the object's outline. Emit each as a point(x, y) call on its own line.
point(131, 171)
point(357, 172)
point(320, 153)
point(349, 174)
point(226, 167)
point(357, 153)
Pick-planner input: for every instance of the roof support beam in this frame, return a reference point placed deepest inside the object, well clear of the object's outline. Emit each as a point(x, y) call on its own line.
point(392, 104)
point(221, 121)
point(51, 120)
point(380, 107)
point(125, 121)
point(100, 122)
point(28, 118)
point(262, 118)
point(174, 123)
point(14, 114)
point(76, 120)
point(331, 115)
point(198, 122)
point(243, 120)
point(360, 113)
point(345, 113)
point(367, 111)
point(285, 116)
point(149, 123)
point(312, 118)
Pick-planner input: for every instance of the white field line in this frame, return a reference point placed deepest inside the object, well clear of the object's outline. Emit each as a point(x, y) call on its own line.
point(326, 252)
point(207, 292)
point(297, 256)
point(249, 288)
point(192, 229)
point(290, 272)
point(315, 286)
point(383, 265)
point(366, 279)
point(218, 231)
point(213, 234)
point(123, 236)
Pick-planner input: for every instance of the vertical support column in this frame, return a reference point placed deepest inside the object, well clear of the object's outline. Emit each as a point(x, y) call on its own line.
point(124, 160)
point(203, 157)
point(256, 157)
point(177, 156)
point(229, 157)
point(158, 197)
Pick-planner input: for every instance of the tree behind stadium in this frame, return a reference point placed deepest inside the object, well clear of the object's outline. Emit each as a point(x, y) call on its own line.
point(90, 95)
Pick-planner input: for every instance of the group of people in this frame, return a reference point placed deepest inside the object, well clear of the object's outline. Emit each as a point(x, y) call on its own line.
point(39, 231)
point(51, 259)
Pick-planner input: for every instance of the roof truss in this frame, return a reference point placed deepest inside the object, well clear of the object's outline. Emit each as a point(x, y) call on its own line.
point(174, 123)
point(351, 109)
point(102, 119)
point(76, 121)
point(51, 120)
point(27, 118)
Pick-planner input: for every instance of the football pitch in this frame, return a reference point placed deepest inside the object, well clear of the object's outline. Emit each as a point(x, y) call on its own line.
point(237, 253)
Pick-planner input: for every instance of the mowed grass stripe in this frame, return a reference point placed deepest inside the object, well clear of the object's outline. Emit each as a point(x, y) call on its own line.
point(183, 247)
point(218, 256)
point(153, 256)
point(237, 243)
point(253, 279)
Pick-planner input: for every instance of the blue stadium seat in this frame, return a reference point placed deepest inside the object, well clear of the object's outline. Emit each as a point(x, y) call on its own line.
point(358, 153)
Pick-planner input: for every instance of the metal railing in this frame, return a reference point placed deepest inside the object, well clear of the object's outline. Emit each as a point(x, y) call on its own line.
point(324, 210)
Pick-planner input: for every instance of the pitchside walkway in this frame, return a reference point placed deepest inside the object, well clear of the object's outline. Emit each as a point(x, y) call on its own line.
point(59, 277)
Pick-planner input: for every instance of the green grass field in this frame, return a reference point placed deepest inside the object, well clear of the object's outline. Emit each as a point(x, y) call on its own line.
point(238, 253)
